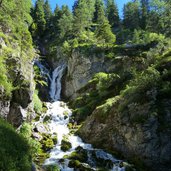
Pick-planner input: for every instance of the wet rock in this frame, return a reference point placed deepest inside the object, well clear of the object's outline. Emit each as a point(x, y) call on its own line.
point(41, 128)
point(16, 115)
point(4, 108)
point(65, 145)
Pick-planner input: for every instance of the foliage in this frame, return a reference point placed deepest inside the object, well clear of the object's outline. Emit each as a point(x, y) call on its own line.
point(142, 37)
point(39, 17)
point(14, 150)
point(4, 81)
point(52, 168)
point(37, 102)
point(26, 132)
point(112, 13)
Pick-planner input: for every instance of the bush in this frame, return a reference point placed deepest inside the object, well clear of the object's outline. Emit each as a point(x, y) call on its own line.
point(142, 37)
point(14, 150)
point(38, 106)
point(4, 81)
point(26, 132)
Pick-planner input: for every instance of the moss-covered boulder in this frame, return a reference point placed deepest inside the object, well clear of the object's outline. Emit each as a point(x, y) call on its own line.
point(65, 145)
point(80, 154)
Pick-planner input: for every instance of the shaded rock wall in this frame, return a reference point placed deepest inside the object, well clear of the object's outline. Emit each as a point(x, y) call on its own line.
point(145, 142)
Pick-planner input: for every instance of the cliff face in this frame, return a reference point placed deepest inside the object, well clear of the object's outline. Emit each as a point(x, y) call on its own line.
point(135, 122)
point(143, 143)
point(20, 73)
point(81, 67)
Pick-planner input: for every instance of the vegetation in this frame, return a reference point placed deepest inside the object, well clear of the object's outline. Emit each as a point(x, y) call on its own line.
point(38, 106)
point(14, 149)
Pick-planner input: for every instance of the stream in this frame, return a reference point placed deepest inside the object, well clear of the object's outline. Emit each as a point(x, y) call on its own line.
point(58, 111)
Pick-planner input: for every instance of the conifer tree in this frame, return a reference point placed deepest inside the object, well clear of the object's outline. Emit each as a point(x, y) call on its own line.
point(112, 13)
point(65, 23)
point(83, 15)
point(103, 29)
point(40, 16)
point(144, 13)
point(48, 13)
point(131, 15)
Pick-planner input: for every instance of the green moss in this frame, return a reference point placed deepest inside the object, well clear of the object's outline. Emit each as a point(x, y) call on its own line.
point(80, 154)
point(51, 168)
point(74, 164)
point(14, 150)
point(37, 102)
point(47, 143)
point(65, 145)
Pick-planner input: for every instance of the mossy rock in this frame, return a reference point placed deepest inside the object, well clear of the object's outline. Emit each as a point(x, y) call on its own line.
point(80, 154)
point(47, 142)
point(47, 118)
point(55, 139)
point(65, 145)
point(51, 168)
point(74, 164)
point(42, 156)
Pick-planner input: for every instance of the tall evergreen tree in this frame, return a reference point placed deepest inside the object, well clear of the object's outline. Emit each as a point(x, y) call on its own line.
point(48, 13)
point(112, 13)
point(144, 13)
point(131, 15)
point(65, 23)
point(40, 16)
point(83, 15)
point(103, 29)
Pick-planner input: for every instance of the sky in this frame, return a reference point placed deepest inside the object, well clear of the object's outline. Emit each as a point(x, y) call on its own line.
point(70, 3)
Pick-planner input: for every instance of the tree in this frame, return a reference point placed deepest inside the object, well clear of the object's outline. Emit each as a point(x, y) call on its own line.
point(65, 22)
point(112, 13)
point(83, 15)
point(144, 13)
point(131, 15)
point(48, 13)
point(103, 29)
point(40, 16)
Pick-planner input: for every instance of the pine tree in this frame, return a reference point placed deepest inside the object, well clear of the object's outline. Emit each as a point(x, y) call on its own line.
point(112, 13)
point(83, 15)
point(65, 23)
point(103, 29)
point(40, 16)
point(48, 13)
point(131, 15)
point(144, 13)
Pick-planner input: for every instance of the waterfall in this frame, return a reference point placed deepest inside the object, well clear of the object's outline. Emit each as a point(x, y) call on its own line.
point(58, 125)
point(55, 88)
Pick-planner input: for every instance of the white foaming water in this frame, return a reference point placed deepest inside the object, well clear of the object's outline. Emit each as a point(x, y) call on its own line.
point(55, 89)
point(60, 113)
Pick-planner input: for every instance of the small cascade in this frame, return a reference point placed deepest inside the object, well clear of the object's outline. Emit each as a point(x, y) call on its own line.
point(60, 115)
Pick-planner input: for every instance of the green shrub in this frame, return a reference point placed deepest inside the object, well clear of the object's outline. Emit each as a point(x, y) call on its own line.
point(142, 37)
point(14, 150)
point(38, 106)
point(4, 81)
point(26, 132)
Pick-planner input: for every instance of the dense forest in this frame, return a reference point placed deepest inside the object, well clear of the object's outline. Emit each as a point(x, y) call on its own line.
point(117, 80)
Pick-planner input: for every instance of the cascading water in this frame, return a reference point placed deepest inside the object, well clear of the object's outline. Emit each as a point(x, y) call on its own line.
point(55, 89)
point(60, 114)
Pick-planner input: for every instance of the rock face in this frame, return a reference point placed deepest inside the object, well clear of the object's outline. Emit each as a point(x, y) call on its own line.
point(146, 143)
point(16, 108)
point(81, 68)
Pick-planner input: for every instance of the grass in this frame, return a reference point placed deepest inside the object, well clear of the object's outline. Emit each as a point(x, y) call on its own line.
point(14, 150)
